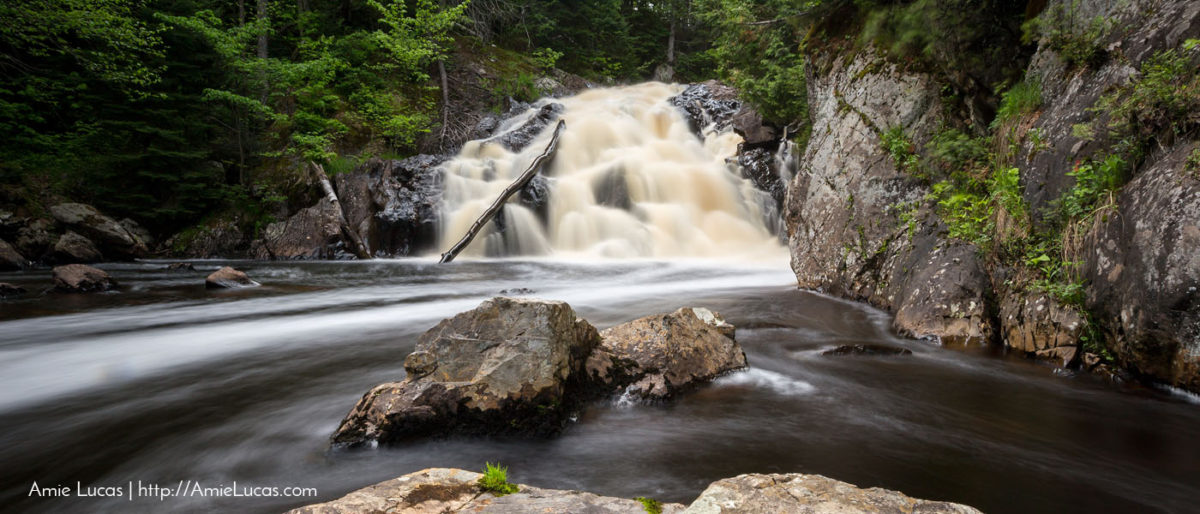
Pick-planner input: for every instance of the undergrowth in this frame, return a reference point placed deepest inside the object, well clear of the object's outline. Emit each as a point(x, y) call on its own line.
point(495, 480)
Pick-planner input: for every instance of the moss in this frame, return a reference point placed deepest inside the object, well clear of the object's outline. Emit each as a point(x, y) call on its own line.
point(650, 505)
point(495, 480)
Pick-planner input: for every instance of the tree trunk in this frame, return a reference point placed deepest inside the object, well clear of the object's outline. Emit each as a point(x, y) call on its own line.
point(445, 103)
point(262, 38)
point(348, 234)
point(671, 45)
point(517, 185)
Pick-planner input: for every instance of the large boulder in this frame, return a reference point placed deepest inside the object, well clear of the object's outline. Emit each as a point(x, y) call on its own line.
point(708, 103)
point(748, 123)
point(810, 494)
point(440, 490)
point(34, 238)
point(228, 278)
point(220, 238)
point(660, 356)
point(72, 248)
point(505, 366)
point(81, 278)
point(9, 258)
point(394, 204)
point(312, 233)
point(113, 239)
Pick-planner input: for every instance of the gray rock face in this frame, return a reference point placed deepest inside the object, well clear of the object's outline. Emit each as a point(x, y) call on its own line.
point(442, 490)
point(228, 278)
point(748, 123)
point(311, 233)
point(1035, 323)
point(506, 366)
point(810, 494)
point(844, 209)
point(659, 356)
point(1143, 265)
point(72, 248)
point(9, 258)
point(221, 239)
point(114, 240)
point(394, 205)
point(80, 278)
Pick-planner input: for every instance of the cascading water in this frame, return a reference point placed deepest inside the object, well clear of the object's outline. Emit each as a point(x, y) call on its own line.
point(629, 179)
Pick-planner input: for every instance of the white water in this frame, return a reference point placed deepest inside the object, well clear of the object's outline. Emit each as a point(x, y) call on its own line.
point(629, 179)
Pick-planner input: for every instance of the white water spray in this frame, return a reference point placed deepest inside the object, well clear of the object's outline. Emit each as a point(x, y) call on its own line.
point(629, 180)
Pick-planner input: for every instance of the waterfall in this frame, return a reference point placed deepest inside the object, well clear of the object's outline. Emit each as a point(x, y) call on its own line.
point(630, 179)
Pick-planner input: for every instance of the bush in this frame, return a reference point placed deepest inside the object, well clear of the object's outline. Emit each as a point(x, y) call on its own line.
point(495, 480)
point(1023, 98)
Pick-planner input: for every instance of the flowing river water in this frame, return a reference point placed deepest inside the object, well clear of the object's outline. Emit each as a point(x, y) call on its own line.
point(164, 381)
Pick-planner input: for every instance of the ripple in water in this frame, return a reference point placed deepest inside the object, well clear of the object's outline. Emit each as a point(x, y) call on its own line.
point(769, 380)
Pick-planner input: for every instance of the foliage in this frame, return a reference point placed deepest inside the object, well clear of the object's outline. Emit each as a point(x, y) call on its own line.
point(546, 58)
point(1077, 41)
point(1162, 103)
point(902, 150)
point(1022, 98)
point(495, 480)
point(650, 505)
point(521, 87)
point(1095, 182)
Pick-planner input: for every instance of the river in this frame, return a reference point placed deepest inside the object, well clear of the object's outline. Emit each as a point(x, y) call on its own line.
point(165, 381)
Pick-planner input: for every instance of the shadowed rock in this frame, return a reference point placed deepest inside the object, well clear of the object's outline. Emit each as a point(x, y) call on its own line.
point(9, 258)
point(180, 266)
point(113, 239)
point(80, 278)
point(228, 278)
point(7, 289)
point(660, 356)
point(866, 349)
point(73, 248)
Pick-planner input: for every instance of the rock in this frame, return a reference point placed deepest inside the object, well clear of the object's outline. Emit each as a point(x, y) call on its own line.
point(441, 490)
point(34, 238)
point(137, 230)
point(486, 127)
point(80, 278)
point(114, 240)
point(73, 248)
point(312, 233)
point(228, 278)
point(507, 366)
point(518, 138)
point(846, 214)
point(708, 103)
point(220, 238)
point(810, 494)
point(1037, 324)
point(762, 168)
point(9, 258)
point(866, 349)
point(660, 356)
point(517, 291)
point(395, 205)
point(7, 289)
point(180, 266)
point(748, 123)
point(1142, 264)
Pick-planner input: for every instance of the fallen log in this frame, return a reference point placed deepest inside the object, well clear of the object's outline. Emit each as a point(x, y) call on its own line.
point(512, 188)
point(348, 234)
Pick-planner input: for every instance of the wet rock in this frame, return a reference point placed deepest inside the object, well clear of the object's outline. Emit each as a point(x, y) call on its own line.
point(441, 490)
point(180, 266)
point(9, 258)
point(312, 233)
point(114, 240)
point(866, 349)
point(859, 227)
point(34, 238)
point(80, 278)
point(660, 356)
point(535, 196)
point(748, 123)
point(504, 367)
point(810, 494)
point(72, 248)
point(394, 204)
point(228, 278)
point(517, 291)
point(1039, 325)
point(517, 139)
point(7, 290)
point(486, 127)
point(1142, 264)
point(762, 168)
point(708, 103)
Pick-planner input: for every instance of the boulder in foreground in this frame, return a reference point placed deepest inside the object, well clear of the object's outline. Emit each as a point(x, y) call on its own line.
point(228, 278)
point(507, 366)
point(660, 356)
point(440, 490)
point(81, 278)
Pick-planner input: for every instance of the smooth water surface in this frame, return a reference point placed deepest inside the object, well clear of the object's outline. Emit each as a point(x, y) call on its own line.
point(165, 381)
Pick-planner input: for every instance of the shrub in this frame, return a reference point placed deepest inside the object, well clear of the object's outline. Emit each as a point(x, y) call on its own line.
point(1023, 98)
point(650, 505)
point(495, 480)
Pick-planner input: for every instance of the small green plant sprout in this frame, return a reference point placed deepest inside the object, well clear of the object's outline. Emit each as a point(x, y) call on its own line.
point(495, 480)
point(650, 505)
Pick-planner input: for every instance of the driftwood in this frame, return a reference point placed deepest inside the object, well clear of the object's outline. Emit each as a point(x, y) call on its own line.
point(353, 241)
point(517, 185)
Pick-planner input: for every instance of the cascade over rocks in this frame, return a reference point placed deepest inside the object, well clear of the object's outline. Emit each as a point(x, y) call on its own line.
point(660, 356)
point(517, 139)
point(522, 365)
point(444, 490)
point(707, 103)
point(80, 278)
point(113, 240)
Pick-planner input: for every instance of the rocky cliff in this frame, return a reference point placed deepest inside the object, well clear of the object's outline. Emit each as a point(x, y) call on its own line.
point(1114, 280)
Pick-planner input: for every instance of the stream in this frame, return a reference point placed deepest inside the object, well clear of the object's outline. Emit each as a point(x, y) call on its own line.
point(165, 381)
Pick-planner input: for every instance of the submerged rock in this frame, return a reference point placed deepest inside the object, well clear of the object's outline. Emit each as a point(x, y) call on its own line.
point(228, 278)
point(866, 349)
point(503, 367)
point(73, 248)
point(517, 139)
point(660, 356)
point(113, 239)
point(810, 494)
point(7, 289)
point(441, 490)
point(80, 278)
point(180, 266)
point(9, 258)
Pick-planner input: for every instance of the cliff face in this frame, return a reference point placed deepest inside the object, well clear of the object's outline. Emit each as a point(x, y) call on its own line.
point(862, 225)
